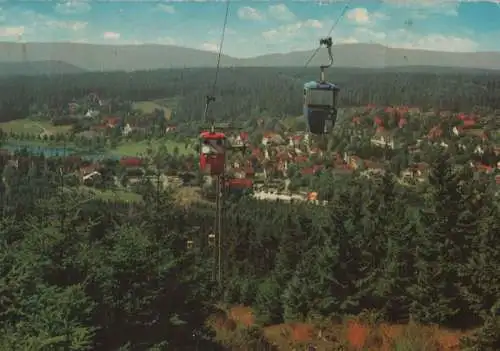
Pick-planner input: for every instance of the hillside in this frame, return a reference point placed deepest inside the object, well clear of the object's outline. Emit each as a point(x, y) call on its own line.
point(378, 56)
point(111, 58)
point(37, 68)
point(144, 57)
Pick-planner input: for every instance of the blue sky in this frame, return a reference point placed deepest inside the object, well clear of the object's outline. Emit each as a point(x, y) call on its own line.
point(257, 27)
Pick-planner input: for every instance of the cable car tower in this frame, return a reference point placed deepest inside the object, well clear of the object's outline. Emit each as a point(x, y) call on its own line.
point(213, 151)
point(214, 148)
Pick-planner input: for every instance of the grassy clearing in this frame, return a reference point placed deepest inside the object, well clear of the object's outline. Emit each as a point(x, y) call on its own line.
point(140, 148)
point(168, 102)
point(188, 196)
point(32, 127)
point(111, 194)
point(291, 122)
point(150, 106)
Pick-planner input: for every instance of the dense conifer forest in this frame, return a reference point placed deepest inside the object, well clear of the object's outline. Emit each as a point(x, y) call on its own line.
point(79, 273)
point(84, 274)
point(255, 92)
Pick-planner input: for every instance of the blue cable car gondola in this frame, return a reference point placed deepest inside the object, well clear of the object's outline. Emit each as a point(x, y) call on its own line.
point(320, 99)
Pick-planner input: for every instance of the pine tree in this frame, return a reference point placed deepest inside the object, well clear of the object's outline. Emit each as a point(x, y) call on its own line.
point(268, 305)
point(436, 294)
point(300, 293)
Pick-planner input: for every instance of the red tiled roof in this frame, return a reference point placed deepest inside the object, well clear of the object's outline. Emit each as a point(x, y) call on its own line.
point(130, 161)
point(244, 136)
point(111, 120)
point(240, 183)
point(307, 171)
point(435, 132)
point(300, 159)
point(484, 168)
point(469, 122)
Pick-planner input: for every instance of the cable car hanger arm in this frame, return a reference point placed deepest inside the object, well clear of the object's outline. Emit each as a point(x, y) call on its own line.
point(208, 100)
point(211, 98)
point(328, 43)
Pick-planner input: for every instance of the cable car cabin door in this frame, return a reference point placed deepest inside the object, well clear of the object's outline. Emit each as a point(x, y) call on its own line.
point(213, 156)
point(320, 109)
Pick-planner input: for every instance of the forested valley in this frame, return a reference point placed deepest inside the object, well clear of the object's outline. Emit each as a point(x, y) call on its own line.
point(244, 93)
point(81, 273)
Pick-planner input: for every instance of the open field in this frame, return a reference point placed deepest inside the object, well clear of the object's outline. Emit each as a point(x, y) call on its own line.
point(32, 127)
point(187, 196)
point(291, 121)
point(90, 193)
point(170, 103)
point(150, 106)
point(140, 148)
point(111, 194)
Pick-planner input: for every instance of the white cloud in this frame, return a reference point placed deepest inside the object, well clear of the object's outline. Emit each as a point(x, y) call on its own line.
point(285, 32)
point(111, 35)
point(312, 23)
point(11, 32)
point(249, 13)
point(348, 40)
point(439, 42)
point(423, 7)
point(362, 35)
point(209, 47)
point(69, 25)
point(281, 12)
point(166, 8)
point(73, 7)
point(358, 15)
point(406, 39)
point(362, 16)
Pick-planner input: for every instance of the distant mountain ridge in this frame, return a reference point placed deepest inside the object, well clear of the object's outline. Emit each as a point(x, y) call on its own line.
point(35, 68)
point(93, 57)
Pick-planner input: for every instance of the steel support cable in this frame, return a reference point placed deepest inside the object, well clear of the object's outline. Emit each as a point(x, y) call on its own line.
point(342, 14)
point(211, 98)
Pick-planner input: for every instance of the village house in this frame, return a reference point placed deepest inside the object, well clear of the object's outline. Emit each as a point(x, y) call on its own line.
point(238, 173)
point(416, 172)
point(111, 122)
point(89, 174)
point(92, 114)
point(294, 140)
point(383, 138)
point(271, 138)
point(73, 106)
point(239, 140)
point(496, 150)
point(127, 130)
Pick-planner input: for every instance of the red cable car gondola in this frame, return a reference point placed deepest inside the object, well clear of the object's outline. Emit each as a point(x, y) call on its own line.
point(212, 152)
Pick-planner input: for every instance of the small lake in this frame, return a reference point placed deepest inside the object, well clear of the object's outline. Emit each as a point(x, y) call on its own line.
point(53, 151)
